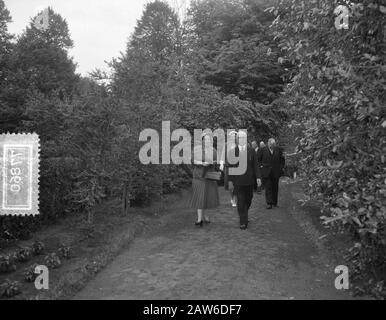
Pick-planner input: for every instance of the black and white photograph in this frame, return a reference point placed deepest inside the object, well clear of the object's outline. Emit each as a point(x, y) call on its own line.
point(197, 156)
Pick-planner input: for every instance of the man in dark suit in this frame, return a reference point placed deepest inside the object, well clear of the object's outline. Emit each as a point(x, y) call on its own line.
point(244, 181)
point(255, 147)
point(271, 163)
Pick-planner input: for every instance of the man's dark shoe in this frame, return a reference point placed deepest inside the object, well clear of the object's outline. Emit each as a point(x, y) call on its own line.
point(269, 206)
point(243, 227)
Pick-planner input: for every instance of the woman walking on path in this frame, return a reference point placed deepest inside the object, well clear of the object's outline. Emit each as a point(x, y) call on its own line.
point(205, 192)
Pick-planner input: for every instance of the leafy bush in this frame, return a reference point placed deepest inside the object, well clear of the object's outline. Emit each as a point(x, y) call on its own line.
point(52, 261)
point(37, 247)
point(337, 98)
point(29, 273)
point(65, 251)
point(23, 254)
point(13, 228)
point(7, 264)
point(9, 289)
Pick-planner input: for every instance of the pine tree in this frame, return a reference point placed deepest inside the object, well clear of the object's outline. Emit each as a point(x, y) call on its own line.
point(7, 113)
point(42, 57)
point(151, 53)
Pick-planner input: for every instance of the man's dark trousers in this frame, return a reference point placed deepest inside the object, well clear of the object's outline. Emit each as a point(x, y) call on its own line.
point(271, 186)
point(243, 183)
point(271, 165)
point(244, 196)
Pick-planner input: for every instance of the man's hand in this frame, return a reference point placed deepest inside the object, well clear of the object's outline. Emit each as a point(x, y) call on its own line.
point(258, 182)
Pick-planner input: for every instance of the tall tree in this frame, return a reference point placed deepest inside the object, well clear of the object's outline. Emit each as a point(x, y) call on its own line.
point(155, 35)
point(7, 113)
point(40, 64)
point(140, 78)
point(42, 57)
point(150, 51)
point(5, 37)
point(234, 48)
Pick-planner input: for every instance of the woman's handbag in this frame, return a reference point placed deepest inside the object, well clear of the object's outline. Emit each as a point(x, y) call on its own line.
point(213, 175)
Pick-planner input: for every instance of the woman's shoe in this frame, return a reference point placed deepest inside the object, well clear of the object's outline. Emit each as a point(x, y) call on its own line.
point(199, 223)
point(207, 221)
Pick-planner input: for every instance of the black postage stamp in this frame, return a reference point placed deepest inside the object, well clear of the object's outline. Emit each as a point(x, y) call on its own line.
point(19, 174)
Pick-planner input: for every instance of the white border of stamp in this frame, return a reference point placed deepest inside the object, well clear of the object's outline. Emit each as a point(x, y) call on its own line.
point(30, 143)
point(5, 182)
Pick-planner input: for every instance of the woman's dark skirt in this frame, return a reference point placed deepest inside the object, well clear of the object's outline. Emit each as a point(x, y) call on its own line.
point(204, 195)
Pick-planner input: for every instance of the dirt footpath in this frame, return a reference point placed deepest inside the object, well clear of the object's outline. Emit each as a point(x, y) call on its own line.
point(173, 259)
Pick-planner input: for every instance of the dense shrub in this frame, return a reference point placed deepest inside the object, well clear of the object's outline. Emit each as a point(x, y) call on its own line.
point(29, 273)
point(9, 289)
point(52, 261)
point(7, 264)
point(337, 97)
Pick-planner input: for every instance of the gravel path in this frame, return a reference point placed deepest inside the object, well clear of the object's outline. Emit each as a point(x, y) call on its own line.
point(173, 259)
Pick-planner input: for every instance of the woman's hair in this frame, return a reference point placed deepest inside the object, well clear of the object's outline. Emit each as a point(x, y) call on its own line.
point(201, 146)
